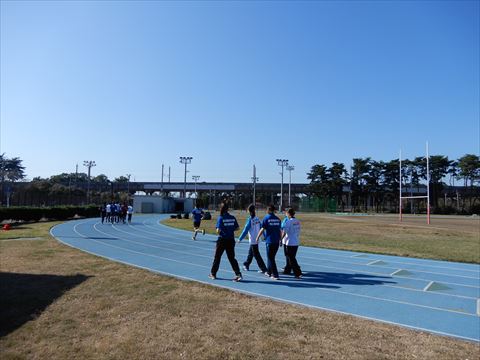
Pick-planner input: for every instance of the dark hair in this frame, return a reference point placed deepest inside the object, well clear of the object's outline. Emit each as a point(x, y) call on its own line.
point(271, 208)
point(291, 212)
point(223, 208)
point(251, 210)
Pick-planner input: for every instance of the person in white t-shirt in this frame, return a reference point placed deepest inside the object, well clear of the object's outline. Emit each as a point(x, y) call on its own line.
point(129, 213)
point(291, 240)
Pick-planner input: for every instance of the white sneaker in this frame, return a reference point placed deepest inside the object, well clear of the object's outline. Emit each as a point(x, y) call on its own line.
point(203, 232)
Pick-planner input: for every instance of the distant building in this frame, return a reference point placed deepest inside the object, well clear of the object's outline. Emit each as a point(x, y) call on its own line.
point(148, 204)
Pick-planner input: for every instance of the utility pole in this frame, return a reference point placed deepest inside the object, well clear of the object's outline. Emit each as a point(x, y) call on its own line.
point(282, 163)
point(195, 178)
point(290, 168)
point(89, 164)
point(161, 187)
point(169, 174)
point(254, 179)
point(128, 185)
point(185, 160)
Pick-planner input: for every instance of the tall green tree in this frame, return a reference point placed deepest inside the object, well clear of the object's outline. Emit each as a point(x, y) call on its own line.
point(469, 169)
point(358, 181)
point(11, 170)
point(336, 177)
point(319, 185)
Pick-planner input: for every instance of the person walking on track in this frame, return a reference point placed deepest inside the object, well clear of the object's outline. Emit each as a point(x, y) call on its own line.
point(252, 227)
point(272, 230)
point(226, 226)
point(291, 241)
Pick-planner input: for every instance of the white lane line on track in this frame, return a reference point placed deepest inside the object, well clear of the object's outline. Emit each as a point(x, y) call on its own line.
point(269, 297)
point(190, 245)
point(319, 289)
point(428, 285)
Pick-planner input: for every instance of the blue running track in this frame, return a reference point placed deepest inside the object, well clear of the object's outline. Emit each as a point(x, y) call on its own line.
point(435, 296)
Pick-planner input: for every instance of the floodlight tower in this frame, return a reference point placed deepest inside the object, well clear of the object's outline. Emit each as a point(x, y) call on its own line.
point(254, 179)
point(195, 178)
point(290, 168)
point(128, 184)
point(185, 160)
point(89, 164)
point(282, 163)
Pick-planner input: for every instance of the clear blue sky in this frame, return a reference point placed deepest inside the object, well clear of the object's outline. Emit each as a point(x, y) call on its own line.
point(133, 85)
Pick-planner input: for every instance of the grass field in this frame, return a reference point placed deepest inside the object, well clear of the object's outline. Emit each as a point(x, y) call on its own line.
point(446, 238)
point(58, 303)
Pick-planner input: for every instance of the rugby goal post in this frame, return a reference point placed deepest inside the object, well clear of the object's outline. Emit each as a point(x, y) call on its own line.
point(415, 197)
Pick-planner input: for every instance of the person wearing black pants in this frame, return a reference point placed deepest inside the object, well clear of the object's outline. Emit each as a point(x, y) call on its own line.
point(226, 227)
point(291, 241)
point(252, 227)
point(272, 230)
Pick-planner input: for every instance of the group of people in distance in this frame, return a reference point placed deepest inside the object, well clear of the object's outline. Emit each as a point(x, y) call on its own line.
point(114, 213)
point(276, 234)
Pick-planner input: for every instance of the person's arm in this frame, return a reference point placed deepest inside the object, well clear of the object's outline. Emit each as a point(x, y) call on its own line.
point(218, 225)
point(245, 229)
point(236, 226)
point(259, 234)
point(283, 232)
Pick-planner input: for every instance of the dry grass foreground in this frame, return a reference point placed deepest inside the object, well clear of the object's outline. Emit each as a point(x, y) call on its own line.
point(59, 303)
point(450, 238)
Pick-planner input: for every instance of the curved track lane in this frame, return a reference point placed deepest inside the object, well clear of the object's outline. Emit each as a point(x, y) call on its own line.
point(435, 296)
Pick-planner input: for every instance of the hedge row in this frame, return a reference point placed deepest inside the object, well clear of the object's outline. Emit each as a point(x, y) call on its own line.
point(28, 213)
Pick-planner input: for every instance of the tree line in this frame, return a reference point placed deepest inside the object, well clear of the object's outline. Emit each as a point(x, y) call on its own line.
point(368, 185)
point(375, 185)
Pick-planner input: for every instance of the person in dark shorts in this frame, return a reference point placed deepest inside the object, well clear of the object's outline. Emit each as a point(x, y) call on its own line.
point(197, 215)
point(226, 226)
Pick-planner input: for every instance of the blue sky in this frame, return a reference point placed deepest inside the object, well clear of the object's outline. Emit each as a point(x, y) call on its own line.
point(133, 85)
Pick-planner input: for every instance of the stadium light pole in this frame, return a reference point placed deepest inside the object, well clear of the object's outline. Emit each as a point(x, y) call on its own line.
point(290, 168)
point(254, 179)
point(89, 164)
point(282, 163)
point(185, 160)
point(195, 178)
point(128, 185)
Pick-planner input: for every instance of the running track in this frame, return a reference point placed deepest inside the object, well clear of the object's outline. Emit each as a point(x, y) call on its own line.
point(435, 296)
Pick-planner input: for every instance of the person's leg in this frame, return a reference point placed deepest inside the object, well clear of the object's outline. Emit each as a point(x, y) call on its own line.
point(287, 270)
point(258, 258)
point(196, 229)
point(230, 249)
point(271, 264)
point(292, 256)
point(246, 264)
point(219, 249)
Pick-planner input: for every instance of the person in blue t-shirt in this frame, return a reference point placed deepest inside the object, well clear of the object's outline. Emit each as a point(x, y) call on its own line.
point(271, 228)
point(226, 227)
point(197, 215)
